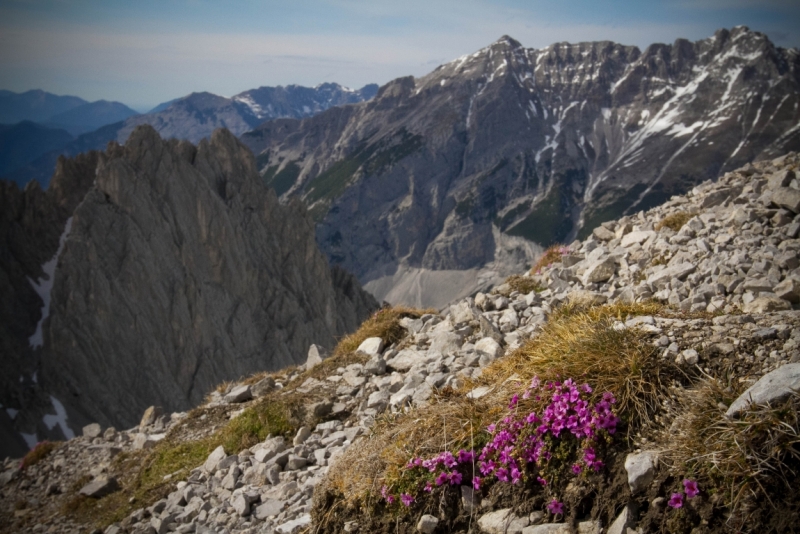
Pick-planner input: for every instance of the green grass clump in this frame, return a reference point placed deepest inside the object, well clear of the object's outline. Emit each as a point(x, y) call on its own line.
point(39, 452)
point(254, 425)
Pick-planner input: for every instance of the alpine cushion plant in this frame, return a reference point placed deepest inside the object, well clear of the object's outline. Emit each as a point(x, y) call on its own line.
point(561, 434)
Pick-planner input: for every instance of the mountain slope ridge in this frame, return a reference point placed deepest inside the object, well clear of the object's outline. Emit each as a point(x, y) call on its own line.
point(543, 144)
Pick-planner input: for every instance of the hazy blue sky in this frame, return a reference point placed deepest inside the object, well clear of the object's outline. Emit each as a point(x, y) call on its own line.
point(143, 52)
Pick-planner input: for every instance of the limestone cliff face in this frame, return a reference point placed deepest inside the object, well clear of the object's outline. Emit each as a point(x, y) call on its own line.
point(181, 270)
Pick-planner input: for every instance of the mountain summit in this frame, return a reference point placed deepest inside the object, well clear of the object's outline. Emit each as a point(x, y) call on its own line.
point(440, 173)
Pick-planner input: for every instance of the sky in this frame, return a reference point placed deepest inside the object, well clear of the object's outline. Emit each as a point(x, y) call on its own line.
point(145, 52)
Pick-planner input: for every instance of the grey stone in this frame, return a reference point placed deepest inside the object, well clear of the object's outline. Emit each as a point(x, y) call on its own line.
point(239, 394)
point(405, 360)
point(268, 508)
point(302, 435)
point(603, 234)
point(427, 524)
point(780, 179)
point(100, 487)
point(375, 366)
point(263, 386)
point(638, 237)
point(295, 525)
point(92, 430)
point(590, 527)
point(624, 520)
point(679, 272)
point(273, 473)
point(213, 459)
point(189, 219)
point(787, 198)
point(241, 504)
point(600, 270)
point(490, 347)
point(773, 387)
point(764, 304)
point(315, 356)
point(462, 313)
point(502, 522)
point(509, 320)
point(641, 468)
point(372, 346)
point(548, 528)
point(378, 400)
point(295, 462)
point(690, 356)
point(445, 343)
point(161, 524)
point(149, 417)
point(789, 290)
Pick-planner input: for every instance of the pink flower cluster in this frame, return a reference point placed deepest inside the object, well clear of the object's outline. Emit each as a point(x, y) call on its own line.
point(561, 251)
point(691, 489)
point(525, 439)
point(521, 440)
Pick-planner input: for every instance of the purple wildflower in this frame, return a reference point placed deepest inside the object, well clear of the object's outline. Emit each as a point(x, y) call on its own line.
point(406, 499)
point(690, 486)
point(676, 501)
point(555, 507)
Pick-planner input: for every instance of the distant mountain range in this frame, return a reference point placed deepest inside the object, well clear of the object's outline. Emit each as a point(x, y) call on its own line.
point(70, 113)
point(192, 118)
point(437, 173)
point(36, 106)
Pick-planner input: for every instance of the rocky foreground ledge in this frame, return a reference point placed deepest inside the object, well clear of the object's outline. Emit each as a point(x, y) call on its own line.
point(701, 294)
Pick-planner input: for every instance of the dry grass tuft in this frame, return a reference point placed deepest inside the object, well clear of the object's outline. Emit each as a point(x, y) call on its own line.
point(580, 343)
point(384, 324)
point(523, 284)
point(551, 255)
point(675, 221)
point(223, 387)
point(39, 452)
point(448, 423)
point(745, 459)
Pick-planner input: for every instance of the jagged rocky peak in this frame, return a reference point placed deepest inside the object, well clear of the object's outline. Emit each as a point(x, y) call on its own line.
point(178, 269)
point(538, 145)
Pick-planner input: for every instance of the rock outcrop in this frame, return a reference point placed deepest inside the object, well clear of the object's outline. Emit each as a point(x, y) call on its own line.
point(178, 269)
point(433, 173)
